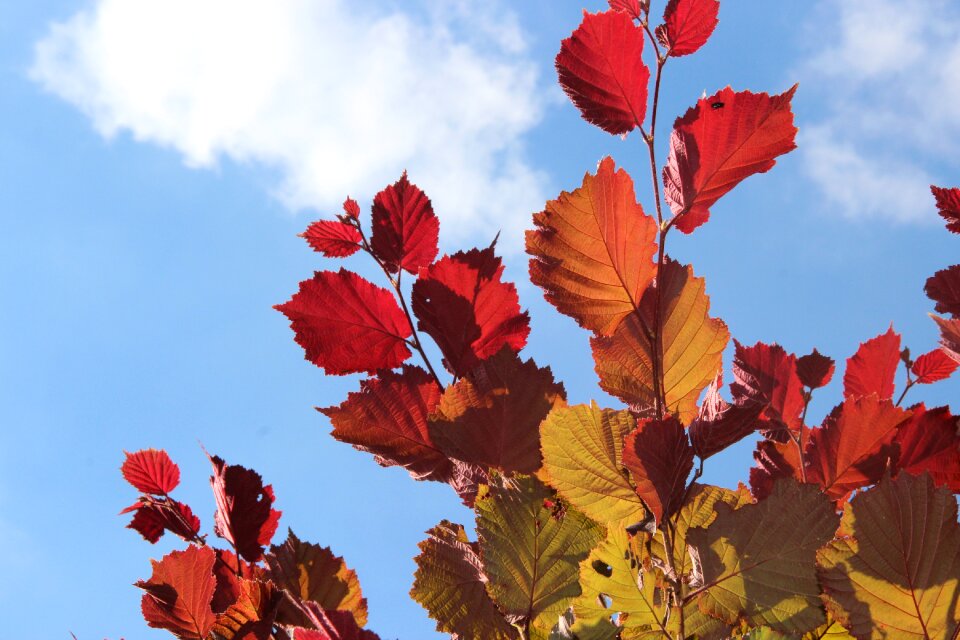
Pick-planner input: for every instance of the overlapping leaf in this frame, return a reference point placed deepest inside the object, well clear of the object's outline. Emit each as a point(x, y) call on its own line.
point(245, 516)
point(766, 375)
point(593, 250)
point(405, 229)
point(692, 346)
point(933, 366)
point(531, 555)
point(758, 561)
point(943, 287)
point(492, 417)
point(251, 616)
point(179, 592)
point(332, 238)
point(153, 516)
point(930, 443)
point(451, 586)
point(949, 336)
point(718, 143)
point(388, 417)
point(346, 324)
point(687, 25)
point(331, 625)
point(720, 424)
point(583, 460)
point(151, 471)
point(465, 307)
point(659, 457)
point(948, 206)
point(873, 367)
point(601, 68)
point(894, 571)
point(815, 369)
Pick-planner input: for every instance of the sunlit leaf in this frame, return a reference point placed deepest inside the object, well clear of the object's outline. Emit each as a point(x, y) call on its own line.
point(245, 516)
point(405, 229)
point(948, 206)
point(179, 592)
point(151, 471)
point(659, 457)
point(687, 25)
point(873, 367)
point(930, 443)
point(933, 366)
point(332, 238)
point(252, 615)
point(943, 287)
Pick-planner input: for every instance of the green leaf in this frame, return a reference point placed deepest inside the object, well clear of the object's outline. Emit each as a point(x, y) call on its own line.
point(757, 562)
point(531, 552)
point(894, 569)
point(583, 460)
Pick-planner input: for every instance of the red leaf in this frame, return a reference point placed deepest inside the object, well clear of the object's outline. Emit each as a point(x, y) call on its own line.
point(333, 239)
point(944, 288)
point(720, 424)
point(687, 25)
point(601, 68)
point(949, 336)
point(245, 517)
point(461, 302)
point(774, 460)
point(948, 206)
point(767, 375)
point(351, 208)
point(873, 367)
point(633, 8)
point(815, 369)
point(930, 443)
point(331, 625)
point(405, 230)
point(151, 471)
point(659, 458)
point(346, 324)
point(252, 615)
point(154, 516)
point(720, 142)
point(388, 418)
point(933, 366)
point(179, 592)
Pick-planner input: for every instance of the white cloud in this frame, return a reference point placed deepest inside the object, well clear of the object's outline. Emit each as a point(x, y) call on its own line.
point(889, 75)
point(338, 96)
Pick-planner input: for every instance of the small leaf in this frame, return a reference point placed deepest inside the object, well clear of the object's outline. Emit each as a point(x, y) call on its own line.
point(405, 229)
point(933, 366)
point(948, 206)
point(251, 616)
point(873, 367)
point(154, 516)
point(151, 471)
point(720, 424)
point(687, 25)
point(333, 239)
point(244, 517)
point(633, 8)
point(346, 324)
point(351, 208)
point(601, 69)
point(179, 592)
point(815, 369)
point(767, 375)
point(943, 287)
point(895, 570)
point(659, 457)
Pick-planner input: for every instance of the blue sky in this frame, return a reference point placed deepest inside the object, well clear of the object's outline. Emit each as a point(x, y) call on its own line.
point(158, 159)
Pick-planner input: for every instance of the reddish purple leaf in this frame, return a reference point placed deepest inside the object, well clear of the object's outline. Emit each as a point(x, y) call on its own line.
point(659, 458)
point(933, 367)
point(774, 460)
point(767, 375)
point(151, 471)
point(949, 336)
point(331, 625)
point(602, 71)
point(815, 369)
point(333, 239)
point(465, 307)
point(948, 206)
point(944, 288)
point(930, 443)
point(245, 517)
point(873, 367)
point(405, 229)
point(346, 324)
point(179, 592)
point(687, 25)
point(719, 424)
point(154, 516)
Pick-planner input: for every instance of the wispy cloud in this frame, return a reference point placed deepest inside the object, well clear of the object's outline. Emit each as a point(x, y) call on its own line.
point(889, 74)
point(338, 96)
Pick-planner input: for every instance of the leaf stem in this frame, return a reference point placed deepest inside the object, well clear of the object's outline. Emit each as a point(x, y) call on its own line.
point(910, 383)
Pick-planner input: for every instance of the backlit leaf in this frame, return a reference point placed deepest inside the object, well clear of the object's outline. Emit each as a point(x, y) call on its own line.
point(873, 367)
point(894, 572)
point(346, 324)
point(949, 336)
point(601, 68)
point(758, 560)
point(933, 366)
point(388, 418)
point(659, 457)
point(244, 517)
point(331, 625)
point(462, 303)
point(692, 343)
point(815, 369)
point(593, 250)
point(179, 592)
point(767, 375)
point(583, 460)
point(405, 229)
point(930, 443)
point(251, 616)
point(451, 586)
point(332, 238)
point(531, 555)
point(493, 416)
point(720, 424)
point(948, 206)
point(718, 143)
point(687, 25)
point(151, 471)
point(943, 287)
point(153, 516)
point(633, 8)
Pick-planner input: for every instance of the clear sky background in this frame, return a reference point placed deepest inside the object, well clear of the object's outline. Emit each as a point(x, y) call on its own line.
point(157, 160)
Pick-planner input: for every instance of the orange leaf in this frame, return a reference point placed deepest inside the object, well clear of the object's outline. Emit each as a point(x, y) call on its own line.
point(179, 593)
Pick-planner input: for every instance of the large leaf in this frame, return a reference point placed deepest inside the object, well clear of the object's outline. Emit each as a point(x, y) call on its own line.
point(929, 443)
point(492, 417)
point(251, 616)
point(346, 324)
point(687, 25)
point(451, 586)
point(659, 457)
point(245, 516)
point(593, 250)
point(758, 561)
point(179, 592)
point(388, 418)
point(691, 340)
point(405, 228)
point(894, 570)
point(314, 573)
point(943, 287)
point(718, 143)
point(873, 367)
point(462, 303)
point(583, 460)
point(948, 206)
point(602, 70)
point(151, 471)
point(531, 553)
